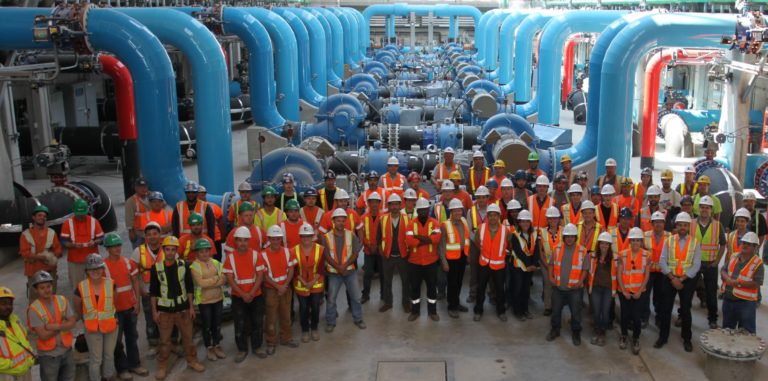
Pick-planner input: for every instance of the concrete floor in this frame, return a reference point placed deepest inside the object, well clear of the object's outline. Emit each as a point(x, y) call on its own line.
point(488, 350)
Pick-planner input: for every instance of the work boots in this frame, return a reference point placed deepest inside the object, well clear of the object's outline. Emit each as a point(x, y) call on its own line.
point(635, 346)
point(196, 366)
point(161, 372)
point(623, 342)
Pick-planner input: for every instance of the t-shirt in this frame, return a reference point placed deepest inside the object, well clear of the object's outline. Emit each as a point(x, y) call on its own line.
point(603, 271)
point(244, 268)
point(669, 199)
point(291, 236)
point(174, 286)
point(77, 231)
point(35, 322)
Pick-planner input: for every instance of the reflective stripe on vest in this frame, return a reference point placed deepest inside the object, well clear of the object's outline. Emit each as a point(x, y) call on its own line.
point(612, 220)
point(747, 274)
point(345, 251)
point(680, 260)
point(486, 174)
point(633, 269)
point(269, 220)
point(146, 262)
point(164, 300)
point(734, 242)
point(390, 184)
point(269, 266)
point(577, 265)
point(50, 234)
point(386, 231)
point(60, 306)
point(528, 248)
point(14, 346)
point(98, 316)
point(569, 216)
point(593, 269)
point(493, 249)
point(709, 242)
point(127, 264)
point(538, 213)
point(593, 241)
point(549, 242)
point(298, 285)
point(182, 208)
point(73, 237)
point(655, 247)
point(619, 244)
point(453, 246)
point(231, 259)
point(197, 268)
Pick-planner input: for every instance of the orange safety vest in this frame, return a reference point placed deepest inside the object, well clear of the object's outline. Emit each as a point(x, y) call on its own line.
point(392, 185)
point(619, 244)
point(281, 277)
point(689, 192)
point(475, 182)
point(679, 258)
point(577, 264)
point(443, 171)
point(549, 241)
point(590, 245)
point(474, 218)
point(569, 216)
point(182, 209)
point(163, 218)
point(655, 247)
point(528, 249)
point(493, 250)
point(323, 200)
point(734, 242)
point(312, 215)
point(146, 261)
point(538, 213)
point(633, 269)
point(386, 234)
point(645, 218)
point(454, 247)
point(60, 304)
point(369, 229)
point(306, 262)
point(747, 274)
point(613, 220)
point(98, 316)
point(346, 250)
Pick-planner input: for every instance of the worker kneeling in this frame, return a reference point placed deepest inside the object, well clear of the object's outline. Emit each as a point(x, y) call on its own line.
point(633, 271)
point(742, 279)
point(568, 269)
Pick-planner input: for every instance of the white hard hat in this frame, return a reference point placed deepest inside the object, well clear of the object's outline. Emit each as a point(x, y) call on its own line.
point(338, 212)
point(493, 208)
point(750, 237)
point(275, 232)
point(506, 182)
point(588, 205)
point(341, 194)
point(306, 229)
point(570, 229)
point(514, 204)
point(448, 150)
point(410, 194)
point(482, 191)
point(243, 232)
point(653, 190)
point(608, 190)
point(152, 224)
point(524, 216)
point(749, 195)
point(455, 204)
point(374, 196)
point(610, 162)
point(706, 200)
point(635, 233)
point(394, 198)
point(743, 212)
point(689, 169)
point(542, 180)
point(575, 188)
point(478, 154)
point(422, 203)
point(683, 217)
point(658, 215)
point(393, 161)
point(244, 186)
point(447, 185)
point(553, 212)
point(605, 237)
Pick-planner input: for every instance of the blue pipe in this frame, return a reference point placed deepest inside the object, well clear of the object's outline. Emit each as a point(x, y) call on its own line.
point(452, 29)
point(337, 33)
point(362, 83)
point(211, 89)
point(506, 43)
point(349, 41)
point(16, 28)
point(551, 55)
point(444, 10)
point(620, 63)
point(387, 10)
point(338, 120)
point(306, 169)
point(357, 55)
point(697, 120)
point(504, 123)
point(317, 52)
point(524, 54)
point(480, 35)
point(328, 30)
point(306, 90)
point(362, 45)
point(286, 60)
point(391, 34)
point(491, 31)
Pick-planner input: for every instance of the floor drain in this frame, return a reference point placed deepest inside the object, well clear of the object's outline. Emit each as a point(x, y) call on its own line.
point(412, 371)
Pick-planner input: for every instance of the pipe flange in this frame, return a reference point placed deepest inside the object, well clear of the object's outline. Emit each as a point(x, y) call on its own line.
point(700, 166)
point(761, 179)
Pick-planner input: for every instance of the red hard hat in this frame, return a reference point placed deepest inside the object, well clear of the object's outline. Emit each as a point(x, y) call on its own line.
point(414, 176)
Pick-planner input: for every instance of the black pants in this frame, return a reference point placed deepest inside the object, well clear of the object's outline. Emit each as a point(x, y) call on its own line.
point(389, 266)
point(521, 291)
point(456, 268)
point(496, 278)
point(710, 276)
point(427, 274)
point(631, 315)
point(249, 322)
point(127, 354)
point(571, 298)
point(652, 295)
point(211, 315)
point(309, 311)
point(371, 265)
point(668, 293)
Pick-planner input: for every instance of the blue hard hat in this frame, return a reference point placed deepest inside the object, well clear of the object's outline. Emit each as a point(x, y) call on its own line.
point(492, 183)
point(520, 175)
point(310, 192)
point(625, 213)
point(155, 196)
point(594, 190)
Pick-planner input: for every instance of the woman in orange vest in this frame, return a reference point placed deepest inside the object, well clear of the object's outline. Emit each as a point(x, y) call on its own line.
point(95, 299)
point(602, 287)
point(309, 281)
point(632, 272)
point(525, 261)
point(742, 278)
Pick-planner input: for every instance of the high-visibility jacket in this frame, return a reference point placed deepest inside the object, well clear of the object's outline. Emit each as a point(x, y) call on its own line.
point(346, 250)
point(385, 226)
point(182, 210)
point(146, 261)
point(747, 274)
point(539, 212)
point(196, 267)
point(291, 230)
point(162, 217)
point(645, 218)
point(353, 221)
point(121, 272)
point(362, 201)
point(98, 316)
point(639, 192)
point(593, 260)
point(549, 241)
point(246, 273)
point(187, 244)
point(257, 241)
point(392, 184)
point(440, 211)
point(577, 264)
point(709, 240)
point(140, 205)
point(28, 246)
point(419, 254)
point(612, 221)
point(370, 225)
point(689, 191)
point(680, 258)
point(633, 269)
point(312, 214)
point(308, 265)
point(528, 247)
point(602, 181)
point(60, 306)
point(478, 178)
point(454, 246)
point(76, 231)
point(16, 356)
point(442, 171)
point(493, 250)
point(630, 202)
point(276, 268)
point(323, 198)
point(589, 242)
point(181, 271)
point(267, 220)
point(233, 215)
point(734, 242)
point(655, 246)
point(619, 244)
point(569, 217)
point(474, 218)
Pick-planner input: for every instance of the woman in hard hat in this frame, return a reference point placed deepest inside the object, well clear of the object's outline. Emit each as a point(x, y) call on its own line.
point(309, 281)
point(525, 261)
point(209, 296)
point(601, 286)
point(632, 272)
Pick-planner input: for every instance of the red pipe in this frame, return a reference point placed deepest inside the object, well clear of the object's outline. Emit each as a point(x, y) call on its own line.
point(656, 63)
point(124, 101)
point(567, 83)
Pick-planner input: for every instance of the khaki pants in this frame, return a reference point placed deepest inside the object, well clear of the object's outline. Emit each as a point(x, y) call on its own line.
point(101, 355)
point(24, 377)
point(76, 273)
point(546, 288)
point(278, 310)
point(166, 322)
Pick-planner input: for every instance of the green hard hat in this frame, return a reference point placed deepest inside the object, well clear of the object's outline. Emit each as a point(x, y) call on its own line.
point(112, 239)
point(246, 207)
point(80, 207)
point(41, 208)
point(202, 244)
point(533, 156)
point(195, 219)
point(268, 191)
point(291, 205)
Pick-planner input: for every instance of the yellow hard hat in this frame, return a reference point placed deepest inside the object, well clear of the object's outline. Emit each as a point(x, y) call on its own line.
point(455, 175)
point(626, 181)
point(704, 180)
point(564, 158)
point(666, 174)
point(171, 241)
point(499, 164)
point(6, 292)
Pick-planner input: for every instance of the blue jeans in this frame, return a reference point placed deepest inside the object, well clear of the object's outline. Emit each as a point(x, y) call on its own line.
point(127, 358)
point(58, 368)
point(601, 305)
point(572, 298)
point(739, 313)
point(334, 286)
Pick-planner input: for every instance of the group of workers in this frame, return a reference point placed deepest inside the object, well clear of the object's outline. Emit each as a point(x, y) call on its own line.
point(645, 244)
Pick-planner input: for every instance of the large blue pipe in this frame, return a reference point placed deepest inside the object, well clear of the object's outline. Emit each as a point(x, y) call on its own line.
point(551, 55)
point(311, 42)
point(524, 53)
point(16, 28)
point(357, 56)
point(390, 10)
point(386, 10)
point(286, 61)
point(452, 29)
point(331, 75)
point(491, 31)
point(620, 63)
point(350, 50)
point(391, 35)
point(362, 45)
point(211, 89)
point(337, 34)
point(506, 44)
point(455, 11)
point(480, 35)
